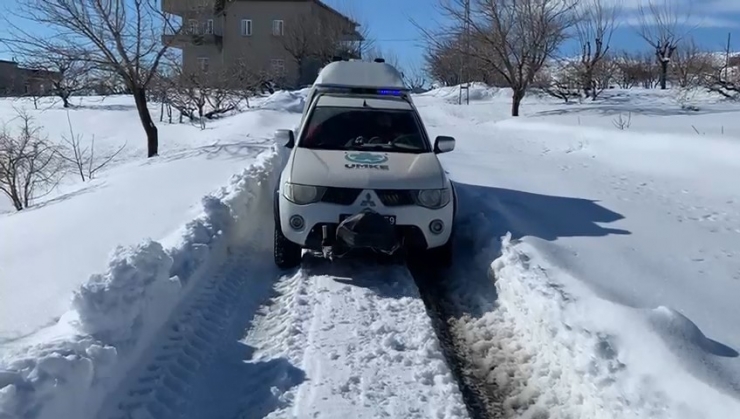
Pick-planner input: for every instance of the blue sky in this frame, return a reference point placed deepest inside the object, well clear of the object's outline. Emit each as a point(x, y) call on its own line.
point(389, 24)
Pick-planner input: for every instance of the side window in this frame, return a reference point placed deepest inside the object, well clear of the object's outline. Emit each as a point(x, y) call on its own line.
point(209, 27)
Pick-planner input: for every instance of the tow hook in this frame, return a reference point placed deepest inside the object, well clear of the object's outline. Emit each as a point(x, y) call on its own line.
point(326, 247)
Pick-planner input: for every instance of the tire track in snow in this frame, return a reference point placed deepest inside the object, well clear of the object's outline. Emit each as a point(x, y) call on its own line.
point(366, 345)
point(479, 394)
point(333, 340)
point(161, 386)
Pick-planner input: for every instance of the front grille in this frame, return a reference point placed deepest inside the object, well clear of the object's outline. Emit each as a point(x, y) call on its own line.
point(395, 198)
point(341, 196)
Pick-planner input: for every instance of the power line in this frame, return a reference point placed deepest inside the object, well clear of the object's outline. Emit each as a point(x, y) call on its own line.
point(398, 40)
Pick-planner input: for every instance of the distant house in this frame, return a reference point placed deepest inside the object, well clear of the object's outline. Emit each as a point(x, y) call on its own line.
point(222, 35)
point(18, 81)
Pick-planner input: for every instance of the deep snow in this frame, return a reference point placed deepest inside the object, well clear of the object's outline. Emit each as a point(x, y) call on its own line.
point(620, 300)
point(72, 367)
point(596, 277)
point(50, 249)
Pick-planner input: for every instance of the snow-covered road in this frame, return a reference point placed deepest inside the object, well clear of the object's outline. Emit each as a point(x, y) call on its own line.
point(334, 341)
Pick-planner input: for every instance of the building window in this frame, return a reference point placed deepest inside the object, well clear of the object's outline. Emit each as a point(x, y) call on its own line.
point(278, 67)
point(246, 27)
point(209, 27)
point(193, 26)
point(203, 64)
point(278, 27)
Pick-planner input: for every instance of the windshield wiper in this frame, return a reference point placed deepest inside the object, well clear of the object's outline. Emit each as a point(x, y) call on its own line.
point(373, 146)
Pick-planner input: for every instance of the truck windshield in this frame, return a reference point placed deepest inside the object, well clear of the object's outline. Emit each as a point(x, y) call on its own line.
point(341, 128)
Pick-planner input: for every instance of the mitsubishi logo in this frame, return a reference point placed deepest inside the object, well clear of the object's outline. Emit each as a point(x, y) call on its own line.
point(368, 202)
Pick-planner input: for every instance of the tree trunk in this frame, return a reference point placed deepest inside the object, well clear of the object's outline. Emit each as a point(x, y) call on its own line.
point(65, 99)
point(17, 203)
point(516, 101)
point(152, 135)
point(663, 74)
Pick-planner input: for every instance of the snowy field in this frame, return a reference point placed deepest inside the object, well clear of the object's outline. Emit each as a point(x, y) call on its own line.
point(597, 275)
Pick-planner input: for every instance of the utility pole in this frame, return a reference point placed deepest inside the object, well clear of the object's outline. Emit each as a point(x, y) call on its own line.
point(465, 59)
point(727, 55)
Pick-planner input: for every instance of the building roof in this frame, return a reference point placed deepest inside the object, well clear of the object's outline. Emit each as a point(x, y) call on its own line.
point(320, 3)
point(336, 12)
point(362, 74)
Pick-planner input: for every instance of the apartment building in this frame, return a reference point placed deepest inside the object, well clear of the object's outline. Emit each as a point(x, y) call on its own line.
point(18, 81)
point(219, 35)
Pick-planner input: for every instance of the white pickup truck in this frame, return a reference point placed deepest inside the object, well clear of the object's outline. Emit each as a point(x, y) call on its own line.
point(362, 172)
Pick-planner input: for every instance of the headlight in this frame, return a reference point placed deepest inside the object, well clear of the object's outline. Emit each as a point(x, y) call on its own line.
point(433, 198)
point(302, 194)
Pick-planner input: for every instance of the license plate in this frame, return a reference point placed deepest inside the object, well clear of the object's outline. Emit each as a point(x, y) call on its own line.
point(391, 219)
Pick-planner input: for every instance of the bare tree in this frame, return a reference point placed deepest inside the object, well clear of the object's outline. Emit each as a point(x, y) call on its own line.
point(605, 73)
point(414, 78)
point(562, 82)
point(314, 41)
point(442, 62)
point(83, 158)
point(637, 69)
point(725, 79)
point(30, 166)
point(120, 36)
point(692, 66)
point(512, 38)
point(390, 57)
point(661, 26)
point(594, 29)
point(65, 75)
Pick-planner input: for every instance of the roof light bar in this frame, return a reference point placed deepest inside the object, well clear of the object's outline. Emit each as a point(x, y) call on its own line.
point(390, 92)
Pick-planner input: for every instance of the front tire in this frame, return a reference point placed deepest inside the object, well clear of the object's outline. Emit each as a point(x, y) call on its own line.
point(287, 254)
point(441, 256)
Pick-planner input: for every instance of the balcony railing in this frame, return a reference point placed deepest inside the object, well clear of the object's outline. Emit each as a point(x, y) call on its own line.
point(184, 39)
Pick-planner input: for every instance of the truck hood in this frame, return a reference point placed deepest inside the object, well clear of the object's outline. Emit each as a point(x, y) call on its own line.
point(366, 170)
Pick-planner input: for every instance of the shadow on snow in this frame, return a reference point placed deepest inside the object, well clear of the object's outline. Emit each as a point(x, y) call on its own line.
point(235, 384)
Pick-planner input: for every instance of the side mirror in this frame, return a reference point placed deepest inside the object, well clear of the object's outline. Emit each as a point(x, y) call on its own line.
point(285, 137)
point(444, 144)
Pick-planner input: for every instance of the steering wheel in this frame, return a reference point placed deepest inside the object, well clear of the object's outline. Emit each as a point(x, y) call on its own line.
point(406, 139)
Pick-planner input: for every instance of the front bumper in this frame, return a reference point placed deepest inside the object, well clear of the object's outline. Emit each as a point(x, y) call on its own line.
point(412, 222)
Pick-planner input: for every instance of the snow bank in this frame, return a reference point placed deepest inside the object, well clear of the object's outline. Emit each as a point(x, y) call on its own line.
point(285, 100)
point(66, 371)
point(556, 350)
point(478, 92)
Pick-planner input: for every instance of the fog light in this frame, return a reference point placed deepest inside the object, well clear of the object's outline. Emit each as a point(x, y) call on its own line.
point(297, 222)
point(436, 226)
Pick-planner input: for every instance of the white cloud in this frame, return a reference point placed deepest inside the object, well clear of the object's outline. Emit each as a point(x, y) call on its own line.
point(689, 13)
point(722, 6)
point(692, 21)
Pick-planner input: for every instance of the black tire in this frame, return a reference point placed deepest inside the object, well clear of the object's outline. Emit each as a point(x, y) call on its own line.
point(287, 254)
point(441, 256)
